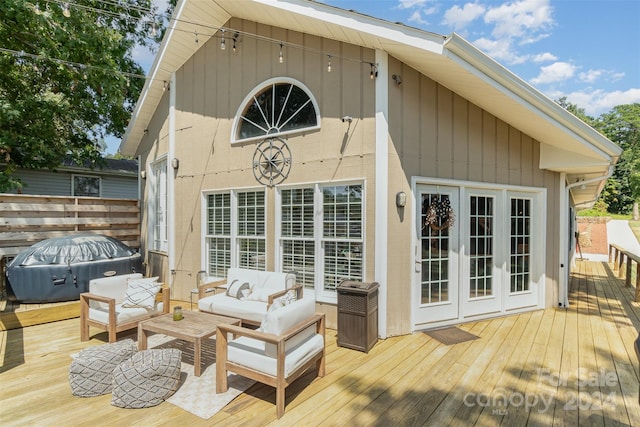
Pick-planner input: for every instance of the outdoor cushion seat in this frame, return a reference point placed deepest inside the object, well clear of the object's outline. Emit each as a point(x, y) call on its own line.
point(91, 371)
point(290, 341)
point(146, 379)
point(108, 305)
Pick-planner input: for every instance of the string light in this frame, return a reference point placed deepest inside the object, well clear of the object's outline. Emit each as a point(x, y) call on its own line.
point(154, 29)
point(196, 40)
point(280, 57)
point(235, 37)
point(223, 44)
point(65, 10)
point(329, 65)
point(374, 71)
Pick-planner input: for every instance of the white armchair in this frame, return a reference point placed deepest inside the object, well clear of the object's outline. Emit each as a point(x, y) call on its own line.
point(114, 306)
point(290, 341)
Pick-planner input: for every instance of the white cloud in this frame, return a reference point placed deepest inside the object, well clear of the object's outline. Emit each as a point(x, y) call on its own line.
point(520, 19)
point(590, 76)
point(500, 50)
point(459, 17)
point(416, 17)
point(598, 102)
point(556, 72)
point(544, 57)
point(408, 4)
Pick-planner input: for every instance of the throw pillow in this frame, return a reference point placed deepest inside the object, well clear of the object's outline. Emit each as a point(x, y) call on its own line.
point(141, 293)
point(260, 294)
point(236, 287)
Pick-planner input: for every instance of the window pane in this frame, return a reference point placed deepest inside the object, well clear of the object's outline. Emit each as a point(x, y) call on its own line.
point(480, 246)
point(88, 186)
point(297, 225)
point(342, 261)
point(519, 244)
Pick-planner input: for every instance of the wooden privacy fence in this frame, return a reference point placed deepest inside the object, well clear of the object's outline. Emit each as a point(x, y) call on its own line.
point(617, 256)
point(25, 220)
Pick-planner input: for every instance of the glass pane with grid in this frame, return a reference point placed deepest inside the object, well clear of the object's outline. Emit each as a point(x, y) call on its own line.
point(219, 214)
point(251, 214)
point(435, 253)
point(342, 261)
point(219, 256)
point(300, 256)
point(519, 245)
point(161, 225)
point(251, 253)
point(480, 246)
point(297, 225)
point(342, 209)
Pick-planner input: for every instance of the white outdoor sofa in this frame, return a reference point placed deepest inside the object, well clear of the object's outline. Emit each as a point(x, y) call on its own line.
point(246, 294)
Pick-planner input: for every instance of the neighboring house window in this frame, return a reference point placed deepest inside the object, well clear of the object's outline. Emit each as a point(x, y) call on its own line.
point(158, 198)
point(235, 231)
point(277, 107)
point(326, 251)
point(84, 185)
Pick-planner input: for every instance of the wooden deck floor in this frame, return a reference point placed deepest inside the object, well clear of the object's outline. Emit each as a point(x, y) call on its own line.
point(572, 366)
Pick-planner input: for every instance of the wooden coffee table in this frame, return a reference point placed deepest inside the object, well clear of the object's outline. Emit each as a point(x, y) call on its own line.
point(193, 328)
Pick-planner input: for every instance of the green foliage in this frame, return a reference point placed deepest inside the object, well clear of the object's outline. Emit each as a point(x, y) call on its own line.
point(622, 126)
point(66, 82)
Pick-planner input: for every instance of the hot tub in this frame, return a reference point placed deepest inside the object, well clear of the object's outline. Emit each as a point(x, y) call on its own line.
point(59, 269)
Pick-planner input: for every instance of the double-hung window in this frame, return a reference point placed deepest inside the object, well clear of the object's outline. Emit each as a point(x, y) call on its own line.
point(235, 231)
point(321, 235)
point(158, 203)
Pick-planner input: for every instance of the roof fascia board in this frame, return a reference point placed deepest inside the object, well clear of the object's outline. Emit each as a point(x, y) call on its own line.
point(381, 29)
point(555, 158)
point(475, 61)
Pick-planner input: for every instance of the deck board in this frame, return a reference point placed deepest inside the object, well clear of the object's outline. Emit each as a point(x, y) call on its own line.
point(580, 358)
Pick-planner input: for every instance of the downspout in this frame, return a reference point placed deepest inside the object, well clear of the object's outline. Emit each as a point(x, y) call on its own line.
point(382, 187)
point(171, 210)
point(564, 227)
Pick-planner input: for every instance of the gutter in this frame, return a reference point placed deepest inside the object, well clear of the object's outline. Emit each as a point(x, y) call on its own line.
point(564, 227)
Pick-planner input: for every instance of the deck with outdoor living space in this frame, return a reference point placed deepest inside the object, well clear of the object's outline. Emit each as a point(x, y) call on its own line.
point(574, 366)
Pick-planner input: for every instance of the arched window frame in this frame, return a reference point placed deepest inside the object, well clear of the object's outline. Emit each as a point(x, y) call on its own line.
point(249, 99)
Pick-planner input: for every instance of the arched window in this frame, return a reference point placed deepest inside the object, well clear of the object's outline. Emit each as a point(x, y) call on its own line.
point(276, 107)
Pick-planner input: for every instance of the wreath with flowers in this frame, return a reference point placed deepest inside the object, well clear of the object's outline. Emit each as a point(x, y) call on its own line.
point(440, 215)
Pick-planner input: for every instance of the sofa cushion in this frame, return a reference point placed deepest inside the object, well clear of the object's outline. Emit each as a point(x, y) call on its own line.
point(251, 353)
point(235, 289)
point(141, 293)
point(123, 314)
point(112, 287)
point(279, 321)
point(224, 305)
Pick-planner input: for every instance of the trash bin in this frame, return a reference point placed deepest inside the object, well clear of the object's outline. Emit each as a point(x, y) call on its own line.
point(357, 315)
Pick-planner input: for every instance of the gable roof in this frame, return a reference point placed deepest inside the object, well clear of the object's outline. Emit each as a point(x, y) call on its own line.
point(567, 144)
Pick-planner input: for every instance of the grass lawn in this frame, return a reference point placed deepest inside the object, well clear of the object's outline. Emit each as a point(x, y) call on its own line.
point(635, 227)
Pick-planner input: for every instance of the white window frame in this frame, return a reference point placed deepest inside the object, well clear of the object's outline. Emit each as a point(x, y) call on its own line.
point(322, 294)
point(258, 89)
point(235, 238)
point(74, 188)
point(158, 208)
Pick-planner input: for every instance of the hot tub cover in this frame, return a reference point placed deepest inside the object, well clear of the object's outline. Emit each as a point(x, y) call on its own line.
point(60, 269)
point(72, 250)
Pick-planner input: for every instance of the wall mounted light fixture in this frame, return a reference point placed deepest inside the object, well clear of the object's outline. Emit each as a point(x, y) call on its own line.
point(175, 163)
point(143, 174)
point(401, 199)
point(397, 78)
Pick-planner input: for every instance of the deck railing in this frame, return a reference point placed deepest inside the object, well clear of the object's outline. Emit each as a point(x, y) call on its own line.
point(618, 256)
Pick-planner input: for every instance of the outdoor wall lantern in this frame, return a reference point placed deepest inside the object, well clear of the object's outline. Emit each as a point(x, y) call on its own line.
point(175, 163)
point(143, 174)
point(401, 199)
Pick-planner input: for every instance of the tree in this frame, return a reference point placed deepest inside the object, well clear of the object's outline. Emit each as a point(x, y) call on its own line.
point(66, 81)
point(622, 126)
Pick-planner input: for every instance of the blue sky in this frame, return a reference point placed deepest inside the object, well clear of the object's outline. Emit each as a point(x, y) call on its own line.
point(586, 50)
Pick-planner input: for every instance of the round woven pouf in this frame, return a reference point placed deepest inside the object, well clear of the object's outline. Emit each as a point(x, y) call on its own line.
point(147, 378)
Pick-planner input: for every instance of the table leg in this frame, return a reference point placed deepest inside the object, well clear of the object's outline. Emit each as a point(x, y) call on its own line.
point(142, 338)
point(197, 346)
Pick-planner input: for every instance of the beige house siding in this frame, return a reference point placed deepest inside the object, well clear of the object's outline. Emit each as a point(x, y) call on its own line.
point(434, 133)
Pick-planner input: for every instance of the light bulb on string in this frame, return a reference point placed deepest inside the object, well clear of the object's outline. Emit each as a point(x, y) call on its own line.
point(280, 57)
point(223, 43)
point(329, 65)
point(154, 29)
point(65, 10)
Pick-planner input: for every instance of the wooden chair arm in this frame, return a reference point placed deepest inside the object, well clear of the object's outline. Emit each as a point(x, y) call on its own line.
point(271, 338)
point(297, 288)
point(87, 296)
point(202, 289)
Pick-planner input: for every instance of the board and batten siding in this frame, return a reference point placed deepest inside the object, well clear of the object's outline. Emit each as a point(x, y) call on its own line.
point(435, 133)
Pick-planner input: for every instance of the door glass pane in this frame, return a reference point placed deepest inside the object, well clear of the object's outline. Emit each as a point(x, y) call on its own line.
point(434, 238)
point(480, 246)
point(519, 247)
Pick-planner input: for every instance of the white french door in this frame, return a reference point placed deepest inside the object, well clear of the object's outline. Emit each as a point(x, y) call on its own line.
point(436, 295)
point(479, 253)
